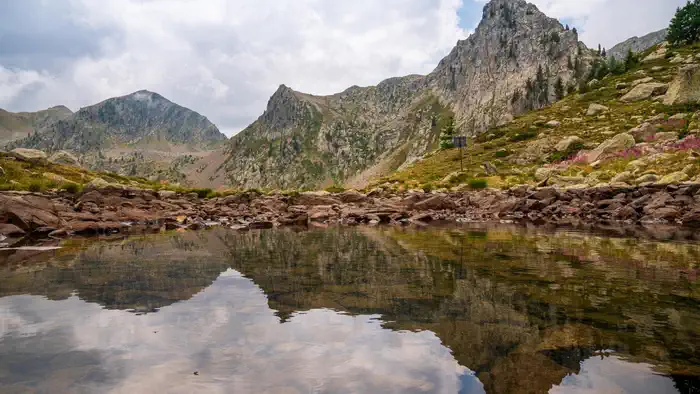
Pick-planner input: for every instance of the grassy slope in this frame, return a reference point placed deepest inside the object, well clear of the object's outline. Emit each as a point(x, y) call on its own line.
point(505, 146)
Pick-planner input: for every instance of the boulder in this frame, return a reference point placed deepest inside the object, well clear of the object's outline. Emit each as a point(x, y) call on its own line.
point(351, 196)
point(163, 194)
point(665, 136)
point(314, 198)
point(656, 55)
point(97, 183)
point(64, 158)
point(617, 143)
point(504, 120)
point(641, 81)
point(648, 178)
point(553, 123)
point(10, 230)
point(685, 87)
point(29, 212)
point(438, 202)
point(544, 173)
point(676, 177)
point(643, 132)
point(623, 177)
point(568, 142)
point(33, 155)
point(596, 109)
point(644, 91)
point(621, 85)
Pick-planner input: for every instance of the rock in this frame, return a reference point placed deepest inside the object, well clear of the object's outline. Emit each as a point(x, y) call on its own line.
point(679, 116)
point(666, 213)
point(553, 123)
point(645, 91)
point(258, 225)
point(544, 173)
point(567, 143)
point(298, 219)
point(29, 212)
point(623, 177)
point(593, 82)
point(453, 177)
point(504, 120)
point(641, 81)
point(665, 136)
point(656, 55)
point(165, 194)
point(56, 178)
point(489, 168)
point(97, 183)
point(351, 196)
point(676, 177)
point(617, 143)
point(64, 158)
point(596, 109)
point(437, 202)
point(643, 132)
point(685, 87)
point(32, 155)
point(646, 179)
point(621, 85)
point(657, 68)
point(314, 198)
point(10, 230)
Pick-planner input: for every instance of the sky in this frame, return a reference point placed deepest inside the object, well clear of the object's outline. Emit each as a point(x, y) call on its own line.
point(224, 58)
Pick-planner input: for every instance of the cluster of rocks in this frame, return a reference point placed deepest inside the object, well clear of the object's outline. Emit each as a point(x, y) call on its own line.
point(114, 210)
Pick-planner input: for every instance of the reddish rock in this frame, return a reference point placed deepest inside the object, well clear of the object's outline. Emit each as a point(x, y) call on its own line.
point(260, 225)
point(28, 216)
point(10, 230)
point(437, 202)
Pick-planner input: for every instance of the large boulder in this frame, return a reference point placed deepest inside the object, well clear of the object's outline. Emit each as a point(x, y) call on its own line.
point(97, 183)
point(617, 143)
point(685, 88)
point(644, 91)
point(568, 142)
point(28, 212)
point(643, 132)
point(656, 55)
point(33, 155)
point(64, 158)
point(596, 109)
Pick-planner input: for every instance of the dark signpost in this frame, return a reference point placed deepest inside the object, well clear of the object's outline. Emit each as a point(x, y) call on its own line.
point(460, 141)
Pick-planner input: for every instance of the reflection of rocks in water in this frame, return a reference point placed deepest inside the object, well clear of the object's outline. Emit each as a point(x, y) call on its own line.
point(139, 274)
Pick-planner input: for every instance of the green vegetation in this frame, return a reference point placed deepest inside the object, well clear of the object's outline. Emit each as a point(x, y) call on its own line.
point(478, 184)
point(685, 25)
point(447, 133)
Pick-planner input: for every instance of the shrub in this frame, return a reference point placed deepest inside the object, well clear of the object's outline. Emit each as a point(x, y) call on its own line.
point(335, 189)
point(685, 25)
point(71, 187)
point(35, 186)
point(523, 136)
point(428, 187)
point(569, 153)
point(502, 153)
point(478, 184)
point(202, 193)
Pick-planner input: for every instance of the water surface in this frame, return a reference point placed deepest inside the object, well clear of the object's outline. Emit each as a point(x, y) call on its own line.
point(352, 310)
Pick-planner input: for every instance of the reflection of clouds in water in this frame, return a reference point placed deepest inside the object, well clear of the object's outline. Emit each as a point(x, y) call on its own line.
point(614, 375)
point(229, 334)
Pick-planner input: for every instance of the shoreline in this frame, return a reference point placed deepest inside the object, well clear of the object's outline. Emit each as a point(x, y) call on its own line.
point(127, 211)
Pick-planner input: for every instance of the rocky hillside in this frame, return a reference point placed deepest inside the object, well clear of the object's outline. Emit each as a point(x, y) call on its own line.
point(637, 128)
point(511, 64)
point(139, 134)
point(637, 44)
point(15, 126)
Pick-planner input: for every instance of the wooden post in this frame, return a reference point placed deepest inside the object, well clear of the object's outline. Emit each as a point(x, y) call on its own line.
point(461, 157)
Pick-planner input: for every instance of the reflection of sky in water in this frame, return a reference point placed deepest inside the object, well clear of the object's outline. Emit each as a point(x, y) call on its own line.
point(230, 336)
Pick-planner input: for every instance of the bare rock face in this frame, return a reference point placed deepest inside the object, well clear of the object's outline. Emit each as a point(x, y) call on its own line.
point(508, 66)
point(644, 91)
point(685, 88)
point(637, 44)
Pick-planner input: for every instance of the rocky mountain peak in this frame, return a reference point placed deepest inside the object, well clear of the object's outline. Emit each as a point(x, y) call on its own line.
point(284, 108)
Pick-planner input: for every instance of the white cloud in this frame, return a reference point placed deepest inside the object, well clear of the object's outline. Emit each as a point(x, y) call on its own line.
point(225, 58)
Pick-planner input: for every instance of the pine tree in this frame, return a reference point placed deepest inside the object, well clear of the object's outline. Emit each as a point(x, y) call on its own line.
point(575, 31)
point(446, 135)
point(604, 54)
point(685, 25)
point(567, 27)
point(631, 61)
point(599, 50)
point(559, 88)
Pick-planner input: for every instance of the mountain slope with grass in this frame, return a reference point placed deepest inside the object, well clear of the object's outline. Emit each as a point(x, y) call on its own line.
point(640, 126)
point(15, 126)
point(140, 134)
point(518, 59)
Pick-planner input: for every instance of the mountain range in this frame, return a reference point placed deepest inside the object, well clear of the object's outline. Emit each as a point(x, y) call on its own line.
point(518, 59)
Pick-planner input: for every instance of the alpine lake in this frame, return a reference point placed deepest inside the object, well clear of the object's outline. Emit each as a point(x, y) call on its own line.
point(459, 309)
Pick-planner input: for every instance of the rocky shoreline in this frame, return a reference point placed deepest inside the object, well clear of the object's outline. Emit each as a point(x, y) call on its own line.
point(129, 211)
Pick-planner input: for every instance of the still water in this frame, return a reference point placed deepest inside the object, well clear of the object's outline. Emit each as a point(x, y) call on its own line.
point(352, 310)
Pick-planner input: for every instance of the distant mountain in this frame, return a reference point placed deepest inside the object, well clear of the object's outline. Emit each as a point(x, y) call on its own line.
point(510, 64)
point(637, 44)
point(15, 126)
point(141, 134)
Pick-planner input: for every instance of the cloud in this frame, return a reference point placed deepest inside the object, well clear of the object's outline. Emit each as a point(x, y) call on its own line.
point(225, 58)
point(221, 58)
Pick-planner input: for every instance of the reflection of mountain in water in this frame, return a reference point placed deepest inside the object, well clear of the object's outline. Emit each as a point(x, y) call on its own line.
point(522, 310)
point(142, 274)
